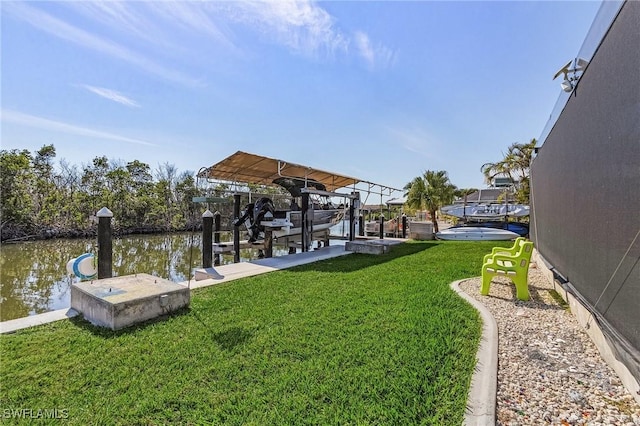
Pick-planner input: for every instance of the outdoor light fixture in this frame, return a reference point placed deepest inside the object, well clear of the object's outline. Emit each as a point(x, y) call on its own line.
point(573, 66)
point(567, 86)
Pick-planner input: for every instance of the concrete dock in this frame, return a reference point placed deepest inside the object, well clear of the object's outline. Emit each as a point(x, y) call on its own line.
point(225, 273)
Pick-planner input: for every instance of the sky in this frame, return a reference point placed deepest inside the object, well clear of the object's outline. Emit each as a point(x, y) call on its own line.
point(378, 90)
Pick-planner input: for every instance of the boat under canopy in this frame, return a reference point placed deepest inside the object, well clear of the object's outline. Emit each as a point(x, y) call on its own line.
point(311, 212)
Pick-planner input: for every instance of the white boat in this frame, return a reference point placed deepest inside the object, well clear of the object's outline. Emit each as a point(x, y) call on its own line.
point(287, 223)
point(262, 214)
point(490, 211)
point(475, 233)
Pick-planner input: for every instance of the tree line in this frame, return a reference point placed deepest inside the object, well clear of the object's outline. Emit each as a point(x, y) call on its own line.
point(40, 199)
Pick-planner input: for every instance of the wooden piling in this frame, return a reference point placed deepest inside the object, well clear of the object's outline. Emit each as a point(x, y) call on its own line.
point(236, 229)
point(105, 244)
point(352, 223)
point(404, 225)
point(216, 236)
point(306, 238)
point(207, 239)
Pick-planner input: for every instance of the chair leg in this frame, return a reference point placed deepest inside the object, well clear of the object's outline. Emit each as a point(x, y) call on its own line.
point(522, 289)
point(486, 283)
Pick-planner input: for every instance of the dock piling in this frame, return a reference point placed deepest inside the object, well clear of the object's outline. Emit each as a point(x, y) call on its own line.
point(105, 245)
point(404, 225)
point(207, 242)
point(306, 240)
point(216, 236)
point(352, 224)
point(236, 229)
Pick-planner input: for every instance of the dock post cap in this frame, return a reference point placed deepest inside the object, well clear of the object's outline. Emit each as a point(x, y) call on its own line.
point(207, 213)
point(104, 212)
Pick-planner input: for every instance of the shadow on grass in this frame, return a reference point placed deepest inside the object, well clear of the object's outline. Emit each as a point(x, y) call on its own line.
point(227, 339)
point(359, 261)
point(232, 337)
point(107, 333)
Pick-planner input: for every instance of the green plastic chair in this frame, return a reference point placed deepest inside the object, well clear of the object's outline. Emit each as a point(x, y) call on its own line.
point(506, 250)
point(515, 267)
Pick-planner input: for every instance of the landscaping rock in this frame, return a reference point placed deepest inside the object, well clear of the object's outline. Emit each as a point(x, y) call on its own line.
point(549, 370)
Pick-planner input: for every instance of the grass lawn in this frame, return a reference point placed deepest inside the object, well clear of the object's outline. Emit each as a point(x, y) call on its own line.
point(358, 339)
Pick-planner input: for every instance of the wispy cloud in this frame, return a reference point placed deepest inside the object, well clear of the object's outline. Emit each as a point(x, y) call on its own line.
point(306, 28)
point(301, 26)
point(52, 25)
point(111, 95)
point(199, 17)
point(139, 20)
point(28, 120)
point(126, 17)
point(374, 56)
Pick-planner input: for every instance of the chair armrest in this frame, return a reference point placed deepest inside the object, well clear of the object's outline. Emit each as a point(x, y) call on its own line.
point(513, 249)
point(505, 258)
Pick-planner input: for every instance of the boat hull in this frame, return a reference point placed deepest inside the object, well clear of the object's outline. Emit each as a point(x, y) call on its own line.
point(486, 211)
point(522, 229)
point(474, 233)
point(289, 223)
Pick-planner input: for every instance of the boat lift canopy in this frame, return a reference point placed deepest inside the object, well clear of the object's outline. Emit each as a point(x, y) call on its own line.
point(250, 168)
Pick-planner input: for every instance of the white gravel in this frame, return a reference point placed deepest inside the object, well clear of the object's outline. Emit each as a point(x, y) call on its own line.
point(549, 370)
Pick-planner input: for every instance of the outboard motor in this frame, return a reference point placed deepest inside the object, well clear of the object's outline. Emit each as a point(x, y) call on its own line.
point(253, 214)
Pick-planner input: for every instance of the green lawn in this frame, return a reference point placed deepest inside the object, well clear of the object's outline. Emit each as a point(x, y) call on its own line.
point(358, 339)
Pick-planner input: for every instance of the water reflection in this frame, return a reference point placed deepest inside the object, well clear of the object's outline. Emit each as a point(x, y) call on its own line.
point(33, 276)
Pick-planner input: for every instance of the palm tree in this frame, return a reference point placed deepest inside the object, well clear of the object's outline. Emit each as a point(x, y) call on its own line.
point(430, 191)
point(514, 165)
point(463, 192)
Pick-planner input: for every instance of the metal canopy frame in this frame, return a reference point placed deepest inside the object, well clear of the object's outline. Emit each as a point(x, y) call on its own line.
point(246, 168)
point(256, 169)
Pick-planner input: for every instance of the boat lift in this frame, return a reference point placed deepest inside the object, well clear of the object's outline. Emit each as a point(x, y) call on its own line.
point(241, 170)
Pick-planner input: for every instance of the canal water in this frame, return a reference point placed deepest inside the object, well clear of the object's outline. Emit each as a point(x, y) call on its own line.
point(34, 278)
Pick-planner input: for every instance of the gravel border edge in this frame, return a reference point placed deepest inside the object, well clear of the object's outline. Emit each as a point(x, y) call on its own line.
point(481, 400)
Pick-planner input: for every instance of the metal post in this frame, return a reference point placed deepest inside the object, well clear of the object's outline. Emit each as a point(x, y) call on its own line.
point(361, 225)
point(382, 227)
point(268, 242)
point(236, 229)
point(207, 234)
point(216, 236)
point(404, 225)
point(352, 223)
point(305, 229)
point(105, 246)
